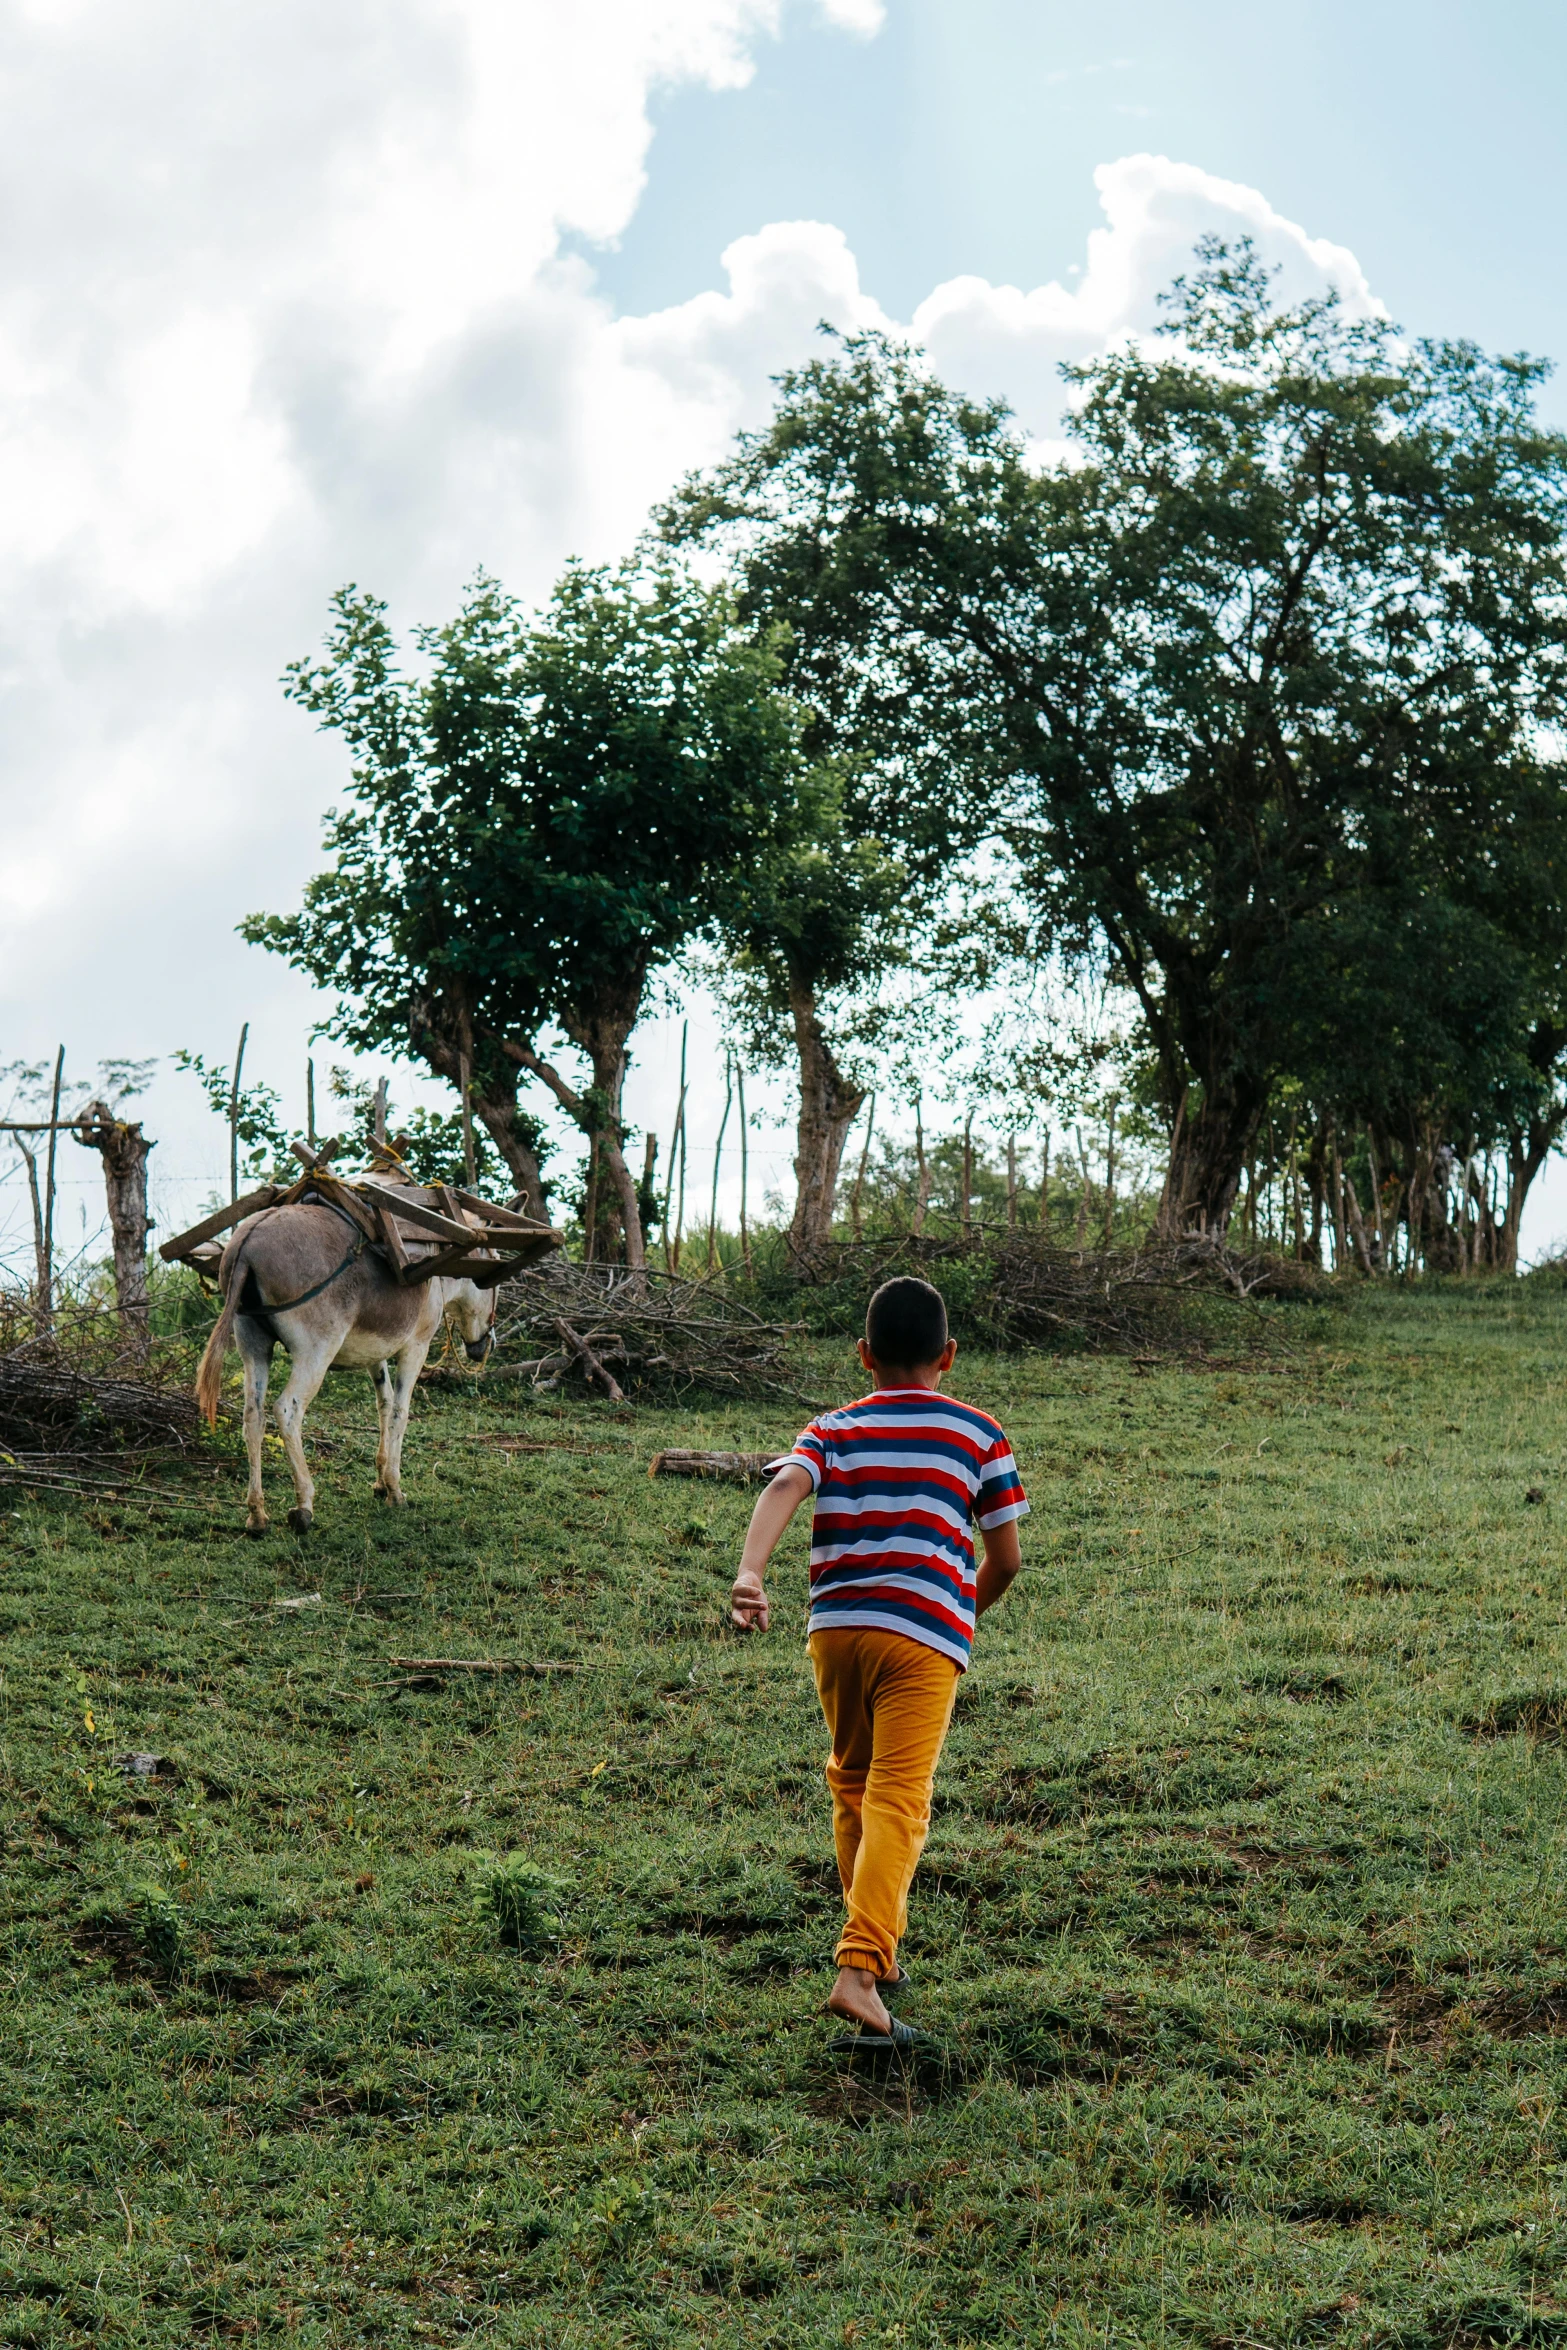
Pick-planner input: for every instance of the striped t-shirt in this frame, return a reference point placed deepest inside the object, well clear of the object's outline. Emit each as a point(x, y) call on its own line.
point(901, 1480)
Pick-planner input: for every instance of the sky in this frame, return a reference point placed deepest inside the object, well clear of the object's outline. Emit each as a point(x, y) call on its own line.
point(394, 290)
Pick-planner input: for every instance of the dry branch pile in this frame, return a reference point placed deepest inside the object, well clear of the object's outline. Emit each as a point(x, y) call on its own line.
point(1127, 1299)
point(617, 1330)
point(84, 1396)
point(1011, 1288)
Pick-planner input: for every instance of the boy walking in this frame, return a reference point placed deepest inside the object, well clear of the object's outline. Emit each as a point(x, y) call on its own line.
point(901, 1479)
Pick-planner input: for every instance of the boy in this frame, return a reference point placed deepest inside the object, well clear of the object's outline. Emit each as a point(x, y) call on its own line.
point(900, 1479)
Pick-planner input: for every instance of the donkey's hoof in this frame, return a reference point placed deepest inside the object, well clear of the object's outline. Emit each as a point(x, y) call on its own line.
point(258, 1533)
point(301, 1521)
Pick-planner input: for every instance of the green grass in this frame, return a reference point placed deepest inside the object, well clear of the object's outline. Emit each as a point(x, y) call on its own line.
point(1241, 1925)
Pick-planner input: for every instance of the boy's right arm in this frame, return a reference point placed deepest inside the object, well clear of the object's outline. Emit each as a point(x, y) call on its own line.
point(748, 1608)
point(1003, 1558)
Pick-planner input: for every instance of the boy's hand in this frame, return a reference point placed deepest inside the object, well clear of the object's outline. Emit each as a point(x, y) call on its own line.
point(775, 1506)
point(748, 1608)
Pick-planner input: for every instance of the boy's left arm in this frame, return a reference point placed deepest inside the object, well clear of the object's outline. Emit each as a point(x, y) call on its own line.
point(1003, 1502)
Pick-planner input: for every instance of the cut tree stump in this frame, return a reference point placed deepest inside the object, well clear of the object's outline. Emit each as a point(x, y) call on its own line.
point(123, 1148)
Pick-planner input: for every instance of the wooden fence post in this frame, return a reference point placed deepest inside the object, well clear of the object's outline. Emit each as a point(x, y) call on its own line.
point(676, 1150)
point(718, 1152)
point(465, 1072)
point(1081, 1236)
point(239, 1063)
point(46, 1300)
point(859, 1180)
point(922, 1200)
point(745, 1230)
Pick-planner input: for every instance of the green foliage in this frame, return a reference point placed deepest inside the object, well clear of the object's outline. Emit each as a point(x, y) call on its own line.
point(264, 1139)
point(155, 1919)
point(548, 811)
point(819, 910)
point(521, 1903)
point(434, 1149)
point(1256, 694)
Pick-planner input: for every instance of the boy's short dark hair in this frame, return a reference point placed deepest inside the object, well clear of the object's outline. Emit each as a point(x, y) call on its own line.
point(906, 1323)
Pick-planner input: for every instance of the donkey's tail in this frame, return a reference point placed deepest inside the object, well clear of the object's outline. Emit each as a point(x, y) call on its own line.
point(209, 1371)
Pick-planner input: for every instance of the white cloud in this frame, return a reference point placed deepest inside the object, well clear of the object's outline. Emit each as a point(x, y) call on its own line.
point(864, 17)
point(996, 338)
point(284, 301)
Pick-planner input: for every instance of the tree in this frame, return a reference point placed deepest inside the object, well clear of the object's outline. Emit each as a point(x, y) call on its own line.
point(1299, 573)
point(1435, 1020)
point(536, 822)
point(812, 922)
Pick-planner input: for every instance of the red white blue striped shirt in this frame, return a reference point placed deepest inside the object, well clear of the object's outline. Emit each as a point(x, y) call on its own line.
point(901, 1480)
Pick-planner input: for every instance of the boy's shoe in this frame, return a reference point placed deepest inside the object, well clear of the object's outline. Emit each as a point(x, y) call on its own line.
point(902, 2040)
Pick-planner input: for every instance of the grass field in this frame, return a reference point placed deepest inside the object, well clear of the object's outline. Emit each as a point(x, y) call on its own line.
point(1241, 1928)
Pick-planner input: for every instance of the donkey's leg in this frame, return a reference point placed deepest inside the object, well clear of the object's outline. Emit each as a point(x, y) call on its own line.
point(255, 1351)
point(310, 1367)
point(410, 1362)
point(381, 1381)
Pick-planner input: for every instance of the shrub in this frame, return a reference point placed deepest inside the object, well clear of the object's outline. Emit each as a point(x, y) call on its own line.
point(520, 1902)
point(155, 1921)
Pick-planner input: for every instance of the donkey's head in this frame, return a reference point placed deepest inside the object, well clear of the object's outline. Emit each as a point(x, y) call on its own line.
point(471, 1311)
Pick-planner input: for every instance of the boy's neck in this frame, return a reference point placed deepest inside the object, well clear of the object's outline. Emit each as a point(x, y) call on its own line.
point(930, 1378)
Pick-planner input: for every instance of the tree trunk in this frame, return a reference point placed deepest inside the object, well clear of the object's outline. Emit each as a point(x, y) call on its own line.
point(43, 1276)
point(828, 1104)
point(602, 1034)
point(123, 1149)
point(1207, 1153)
point(1316, 1184)
point(600, 1031)
point(922, 1199)
point(1340, 1236)
point(1483, 1243)
point(1357, 1225)
point(441, 1034)
point(1528, 1148)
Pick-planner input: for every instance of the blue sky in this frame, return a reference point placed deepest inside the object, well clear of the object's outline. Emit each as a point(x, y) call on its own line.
point(394, 290)
point(964, 136)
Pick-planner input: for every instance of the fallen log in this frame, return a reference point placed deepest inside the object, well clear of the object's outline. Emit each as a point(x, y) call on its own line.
point(479, 1664)
point(740, 1468)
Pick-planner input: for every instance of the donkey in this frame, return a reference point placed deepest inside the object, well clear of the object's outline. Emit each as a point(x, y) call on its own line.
point(305, 1278)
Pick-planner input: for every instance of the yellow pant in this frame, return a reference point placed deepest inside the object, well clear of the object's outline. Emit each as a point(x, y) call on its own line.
point(888, 1701)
